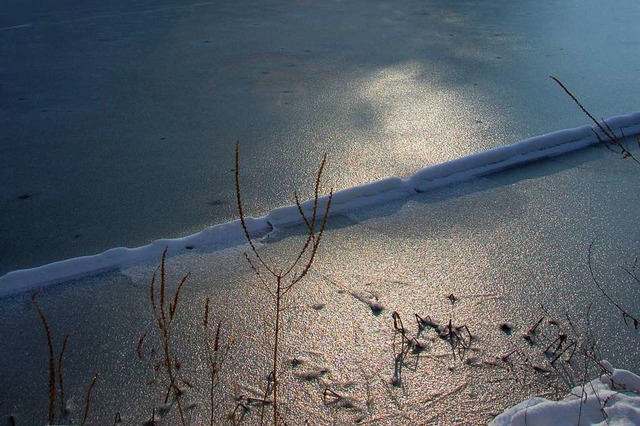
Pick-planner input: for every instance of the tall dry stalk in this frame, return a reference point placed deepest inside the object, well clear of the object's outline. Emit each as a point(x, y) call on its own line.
point(215, 351)
point(611, 141)
point(87, 400)
point(281, 281)
point(56, 370)
point(52, 364)
point(164, 309)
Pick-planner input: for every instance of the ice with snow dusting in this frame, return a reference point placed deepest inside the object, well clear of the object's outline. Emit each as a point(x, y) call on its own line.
point(379, 192)
point(613, 399)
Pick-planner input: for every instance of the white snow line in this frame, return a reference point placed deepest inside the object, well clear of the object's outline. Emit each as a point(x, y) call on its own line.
point(228, 234)
point(527, 151)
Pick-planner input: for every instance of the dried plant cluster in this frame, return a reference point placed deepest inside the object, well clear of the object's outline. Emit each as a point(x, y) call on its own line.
point(168, 371)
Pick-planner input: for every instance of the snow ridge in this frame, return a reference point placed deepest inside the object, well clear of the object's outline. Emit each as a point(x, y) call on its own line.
point(231, 233)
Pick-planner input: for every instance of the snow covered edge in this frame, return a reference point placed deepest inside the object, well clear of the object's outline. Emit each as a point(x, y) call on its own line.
point(613, 399)
point(379, 192)
point(226, 234)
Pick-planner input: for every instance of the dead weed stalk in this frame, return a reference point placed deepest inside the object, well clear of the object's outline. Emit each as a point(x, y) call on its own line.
point(164, 309)
point(279, 282)
point(610, 140)
point(56, 372)
point(215, 351)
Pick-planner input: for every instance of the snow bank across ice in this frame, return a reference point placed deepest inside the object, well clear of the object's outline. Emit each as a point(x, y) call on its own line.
point(225, 234)
point(382, 191)
point(348, 199)
point(522, 152)
point(613, 399)
point(462, 169)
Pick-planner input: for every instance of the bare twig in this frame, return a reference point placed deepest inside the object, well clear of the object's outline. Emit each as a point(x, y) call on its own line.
point(87, 401)
point(61, 373)
point(625, 313)
point(52, 366)
point(281, 283)
point(612, 140)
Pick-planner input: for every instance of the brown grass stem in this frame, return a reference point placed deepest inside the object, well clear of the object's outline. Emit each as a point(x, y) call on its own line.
point(281, 283)
point(164, 316)
point(214, 357)
point(242, 215)
point(625, 313)
point(52, 365)
point(87, 401)
point(61, 374)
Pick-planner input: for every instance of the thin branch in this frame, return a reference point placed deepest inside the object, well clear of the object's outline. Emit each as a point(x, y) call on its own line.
point(611, 137)
point(163, 285)
point(608, 132)
point(87, 401)
point(632, 274)
point(259, 275)
point(174, 306)
point(152, 295)
point(303, 250)
point(242, 215)
point(301, 212)
point(52, 366)
point(61, 372)
point(624, 312)
point(312, 224)
point(316, 244)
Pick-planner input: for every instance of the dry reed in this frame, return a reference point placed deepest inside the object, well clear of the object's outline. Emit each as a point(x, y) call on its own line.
point(56, 370)
point(164, 316)
point(281, 281)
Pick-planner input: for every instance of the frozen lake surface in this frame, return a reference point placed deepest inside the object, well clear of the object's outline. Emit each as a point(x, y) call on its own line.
point(117, 127)
point(511, 247)
point(118, 120)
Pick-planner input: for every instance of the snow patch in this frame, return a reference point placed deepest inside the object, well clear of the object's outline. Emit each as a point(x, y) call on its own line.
point(613, 399)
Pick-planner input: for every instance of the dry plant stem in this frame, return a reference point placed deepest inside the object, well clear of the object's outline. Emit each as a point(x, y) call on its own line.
point(287, 278)
point(212, 357)
point(242, 216)
point(623, 311)
point(52, 366)
point(212, 382)
point(212, 364)
point(275, 350)
point(60, 369)
point(61, 373)
point(164, 323)
point(87, 401)
point(612, 139)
